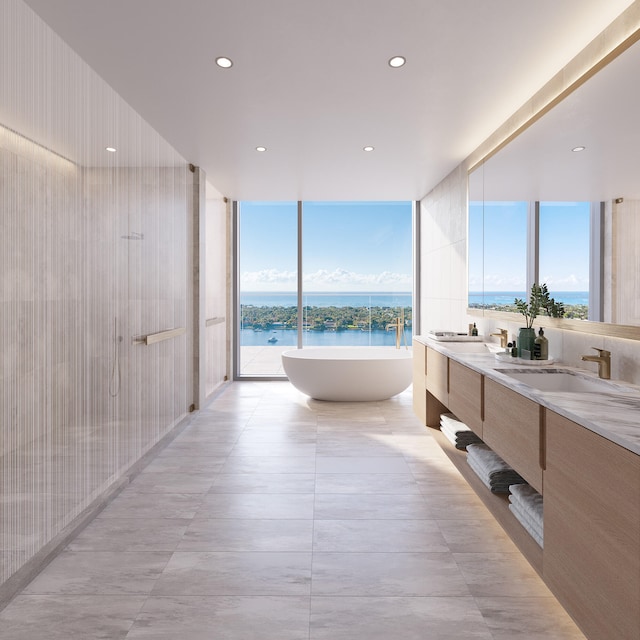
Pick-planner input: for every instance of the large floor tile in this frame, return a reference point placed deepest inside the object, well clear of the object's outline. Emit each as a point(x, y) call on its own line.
point(224, 617)
point(264, 483)
point(130, 534)
point(500, 574)
point(227, 573)
point(347, 506)
point(248, 535)
point(363, 483)
point(100, 572)
point(387, 574)
point(371, 618)
point(513, 618)
point(60, 617)
point(174, 482)
point(381, 464)
point(269, 464)
point(133, 504)
point(378, 536)
point(296, 506)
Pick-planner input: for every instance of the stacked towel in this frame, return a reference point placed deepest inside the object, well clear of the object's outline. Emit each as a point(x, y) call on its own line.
point(496, 474)
point(526, 506)
point(458, 433)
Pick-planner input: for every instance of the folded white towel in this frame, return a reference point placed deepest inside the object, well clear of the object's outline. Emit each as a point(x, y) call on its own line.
point(534, 534)
point(488, 459)
point(528, 499)
point(453, 422)
point(495, 484)
point(451, 437)
point(535, 523)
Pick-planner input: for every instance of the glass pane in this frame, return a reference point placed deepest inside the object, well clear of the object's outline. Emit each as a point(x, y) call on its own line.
point(564, 254)
point(268, 259)
point(505, 254)
point(476, 254)
point(357, 275)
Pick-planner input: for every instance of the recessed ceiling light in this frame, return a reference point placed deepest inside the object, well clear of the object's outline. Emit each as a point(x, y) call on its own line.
point(576, 149)
point(261, 149)
point(110, 149)
point(224, 62)
point(368, 148)
point(397, 61)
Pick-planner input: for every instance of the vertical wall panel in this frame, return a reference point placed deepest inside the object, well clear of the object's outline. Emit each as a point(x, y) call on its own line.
point(95, 249)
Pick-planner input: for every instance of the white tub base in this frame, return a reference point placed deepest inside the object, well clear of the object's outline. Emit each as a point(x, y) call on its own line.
point(349, 374)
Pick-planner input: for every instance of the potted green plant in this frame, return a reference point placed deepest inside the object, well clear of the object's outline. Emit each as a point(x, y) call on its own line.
point(539, 300)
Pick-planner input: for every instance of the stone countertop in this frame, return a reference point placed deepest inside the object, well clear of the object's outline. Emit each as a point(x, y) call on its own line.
point(614, 416)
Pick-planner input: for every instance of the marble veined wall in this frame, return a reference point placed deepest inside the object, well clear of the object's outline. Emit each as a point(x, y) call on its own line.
point(95, 251)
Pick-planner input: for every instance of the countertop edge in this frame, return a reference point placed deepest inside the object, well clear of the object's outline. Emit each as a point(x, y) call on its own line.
point(614, 417)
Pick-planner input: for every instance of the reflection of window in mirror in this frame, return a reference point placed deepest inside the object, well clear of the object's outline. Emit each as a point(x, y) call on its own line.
point(476, 253)
point(505, 254)
point(564, 241)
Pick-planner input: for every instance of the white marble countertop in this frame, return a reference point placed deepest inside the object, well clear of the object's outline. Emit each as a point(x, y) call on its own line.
point(615, 416)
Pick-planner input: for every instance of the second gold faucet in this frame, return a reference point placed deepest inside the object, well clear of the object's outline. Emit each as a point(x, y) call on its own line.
point(504, 337)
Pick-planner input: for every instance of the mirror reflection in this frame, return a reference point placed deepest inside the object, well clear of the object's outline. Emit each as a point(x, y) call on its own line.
point(560, 204)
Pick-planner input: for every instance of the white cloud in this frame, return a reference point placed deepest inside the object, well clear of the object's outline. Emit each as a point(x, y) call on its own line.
point(324, 280)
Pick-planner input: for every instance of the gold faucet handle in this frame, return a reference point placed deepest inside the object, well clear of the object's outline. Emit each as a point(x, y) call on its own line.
point(603, 353)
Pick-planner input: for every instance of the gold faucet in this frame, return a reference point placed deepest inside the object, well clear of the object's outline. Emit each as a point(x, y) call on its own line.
point(604, 362)
point(398, 325)
point(504, 337)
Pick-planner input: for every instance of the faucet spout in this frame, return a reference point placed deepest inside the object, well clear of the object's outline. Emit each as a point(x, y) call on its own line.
point(604, 362)
point(504, 337)
point(398, 326)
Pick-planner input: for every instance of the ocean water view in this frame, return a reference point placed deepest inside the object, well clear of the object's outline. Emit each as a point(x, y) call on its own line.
point(330, 319)
point(501, 298)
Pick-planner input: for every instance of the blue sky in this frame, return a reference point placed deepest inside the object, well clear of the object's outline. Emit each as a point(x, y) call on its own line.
point(564, 246)
point(347, 246)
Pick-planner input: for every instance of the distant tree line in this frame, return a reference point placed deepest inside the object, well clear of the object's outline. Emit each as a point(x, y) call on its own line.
point(322, 318)
point(575, 311)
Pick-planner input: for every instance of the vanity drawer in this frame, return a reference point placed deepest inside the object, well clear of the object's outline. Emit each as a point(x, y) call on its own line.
point(466, 395)
point(438, 375)
point(512, 428)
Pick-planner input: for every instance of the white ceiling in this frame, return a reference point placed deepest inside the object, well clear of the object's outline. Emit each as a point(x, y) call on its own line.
point(602, 116)
point(311, 82)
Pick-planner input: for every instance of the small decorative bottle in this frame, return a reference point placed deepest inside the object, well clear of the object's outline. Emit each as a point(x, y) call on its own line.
point(474, 330)
point(541, 346)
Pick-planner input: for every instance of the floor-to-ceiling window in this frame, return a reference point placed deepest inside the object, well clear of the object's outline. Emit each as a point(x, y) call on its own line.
point(356, 278)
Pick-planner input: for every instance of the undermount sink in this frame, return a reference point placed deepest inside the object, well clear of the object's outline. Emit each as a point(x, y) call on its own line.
point(564, 381)
point(473, 347)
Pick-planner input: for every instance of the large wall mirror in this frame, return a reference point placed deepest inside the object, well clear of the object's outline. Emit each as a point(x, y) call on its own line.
point(560, 204)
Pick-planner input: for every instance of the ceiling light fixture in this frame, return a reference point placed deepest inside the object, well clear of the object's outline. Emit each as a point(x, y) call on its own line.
point(261, 149)
point(368, 148)
point(397, 61)
point(224, 62)
point(110, 149)
point(576, 149)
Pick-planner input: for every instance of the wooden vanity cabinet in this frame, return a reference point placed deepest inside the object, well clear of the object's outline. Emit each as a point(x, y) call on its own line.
point(512, 428)
point(592, 529)
point(419, 380)
point(466, 395)
point(438, 375)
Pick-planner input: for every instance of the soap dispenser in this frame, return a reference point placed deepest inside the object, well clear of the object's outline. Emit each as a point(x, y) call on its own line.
point(474, 330)
point(541, 347)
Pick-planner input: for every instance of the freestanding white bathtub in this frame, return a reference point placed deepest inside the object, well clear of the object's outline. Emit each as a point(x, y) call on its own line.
point(349, 374)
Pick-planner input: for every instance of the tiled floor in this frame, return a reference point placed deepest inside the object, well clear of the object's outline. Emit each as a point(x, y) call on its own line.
point(275, 517)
